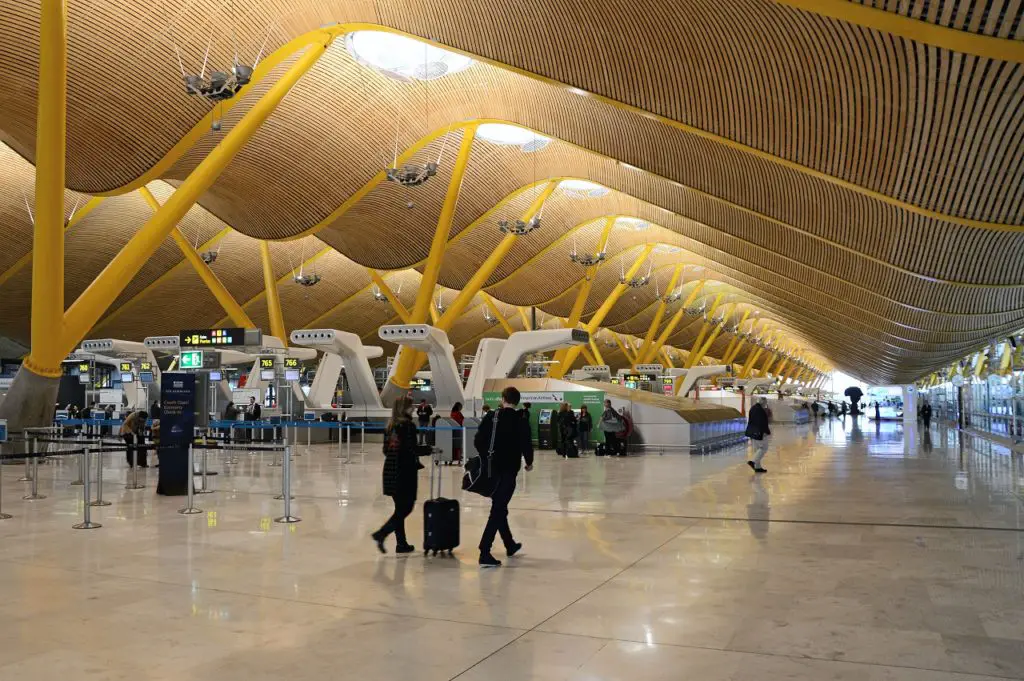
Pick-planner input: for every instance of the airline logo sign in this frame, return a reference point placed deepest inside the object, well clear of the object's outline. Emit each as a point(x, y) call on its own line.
point(541, 397)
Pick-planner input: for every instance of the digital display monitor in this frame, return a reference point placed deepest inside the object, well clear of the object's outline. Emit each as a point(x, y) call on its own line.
point(291, 374)
point(146, 376)
point(266, 362)
point(421, 384)
point(197, 338)
point(215, 375)
point(267, 374)
point(83, 368)
point(145, 366)
point(291, 362)
point(84, 378)
point(127, 377)
point(126, 367)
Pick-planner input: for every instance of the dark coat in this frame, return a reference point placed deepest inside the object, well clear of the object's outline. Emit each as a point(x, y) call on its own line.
point(757, 422)
point(401, 460)
point(512, 441)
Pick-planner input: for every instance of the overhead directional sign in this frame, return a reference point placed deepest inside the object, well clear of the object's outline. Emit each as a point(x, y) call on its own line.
point(192, 359)
point(197, 338)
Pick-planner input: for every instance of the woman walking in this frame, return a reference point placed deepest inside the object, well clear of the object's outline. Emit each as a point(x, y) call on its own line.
point(401, 464)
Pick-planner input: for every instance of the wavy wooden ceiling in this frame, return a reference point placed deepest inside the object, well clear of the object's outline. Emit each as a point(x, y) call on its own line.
point(860, 187)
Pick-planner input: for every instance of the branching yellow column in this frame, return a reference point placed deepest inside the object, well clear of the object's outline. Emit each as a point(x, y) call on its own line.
point(595, 322)
point(596, 352)
point(735, 342)
point(47, 322)
point(692, 359)
point(409, 360)
point(588, 282)
point(95, 300)
point(714, 335)
point(400, 309)
point(406, 368)
point(231, 307)
point(749, 366)
point(659, 314)
point(497, 314)
point(672, 324)
point(773, 357)
point(623, 347)
point(525, 317)
point(588, 355)
point(667, 356)
point(273, 299)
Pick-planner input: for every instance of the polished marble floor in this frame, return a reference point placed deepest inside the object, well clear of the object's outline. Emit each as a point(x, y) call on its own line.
point(862, 555)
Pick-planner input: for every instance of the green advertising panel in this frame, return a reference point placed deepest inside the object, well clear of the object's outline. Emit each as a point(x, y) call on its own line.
point(593, 399)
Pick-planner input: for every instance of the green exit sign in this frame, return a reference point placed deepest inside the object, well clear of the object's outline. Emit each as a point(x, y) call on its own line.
point(192, 360)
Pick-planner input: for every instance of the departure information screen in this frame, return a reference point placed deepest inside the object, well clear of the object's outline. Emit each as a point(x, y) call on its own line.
point(196, 338)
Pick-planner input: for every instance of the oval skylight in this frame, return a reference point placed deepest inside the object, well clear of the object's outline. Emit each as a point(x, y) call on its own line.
point(405, 58)
point(512, 135)
point(583, 188)
point(636, 224)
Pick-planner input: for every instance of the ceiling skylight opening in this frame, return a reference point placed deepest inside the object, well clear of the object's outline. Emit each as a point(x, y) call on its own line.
point(666, 248)
point(403, 58)
point(635, 224)
point(512, 135)
point(583, 189)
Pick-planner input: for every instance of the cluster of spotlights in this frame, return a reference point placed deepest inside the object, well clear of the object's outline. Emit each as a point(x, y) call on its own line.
point(411, 174)
point(307, 279)
point(587, 259)
point(519, 227)
point(209, 257)
point(219, 85)
point(636, 282)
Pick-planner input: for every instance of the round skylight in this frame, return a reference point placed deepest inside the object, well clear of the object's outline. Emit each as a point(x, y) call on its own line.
point(583, 189)
point(666, 248)
point(403, 58)
point(636, 224)
point(512, 135)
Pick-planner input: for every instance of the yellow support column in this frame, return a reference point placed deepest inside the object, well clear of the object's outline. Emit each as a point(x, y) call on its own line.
point(273, 299)
point(588, 355)
point(748, 367)
point(623, 347)
point(407, 368)
point(714, 335)
point(736, 342)
point(692, 358)
point(596, 352)
point(497, 314)
point(773, 357)
point(525, 317)
point(47, 321)
point(410, 360)
point(659, 314)
point(667, 357)
point(231, 307)
point(595, 322)
point(672, 324)
point(576, 313)
point(400, 309)
point(94, 301)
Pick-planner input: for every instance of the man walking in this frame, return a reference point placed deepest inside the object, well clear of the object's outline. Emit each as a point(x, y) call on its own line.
point(510, 433)
point(758, 431)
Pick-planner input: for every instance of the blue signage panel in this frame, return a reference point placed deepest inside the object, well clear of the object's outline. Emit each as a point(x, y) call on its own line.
point(177, 424)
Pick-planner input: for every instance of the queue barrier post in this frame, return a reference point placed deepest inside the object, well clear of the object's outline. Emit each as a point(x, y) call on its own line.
point(3, 516)
point(27, 476)
point(309, 431)
point(81, 463)
point(134, 482)
point(205, 489)
point(362, 437)
point(87, 523)
point(286, 486)
point(348, 442)
point(34, 494)
point(191, 487)
point(99, 481)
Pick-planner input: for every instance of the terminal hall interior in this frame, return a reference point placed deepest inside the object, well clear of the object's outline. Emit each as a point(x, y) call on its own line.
point(664, 339)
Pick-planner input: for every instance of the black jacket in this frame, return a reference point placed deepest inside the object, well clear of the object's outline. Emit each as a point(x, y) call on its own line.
point(757, 422)
point(401, 462)
point(512, 441)
point(254, 412)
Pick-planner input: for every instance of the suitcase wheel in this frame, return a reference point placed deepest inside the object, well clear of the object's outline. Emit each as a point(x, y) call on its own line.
point(451, 552)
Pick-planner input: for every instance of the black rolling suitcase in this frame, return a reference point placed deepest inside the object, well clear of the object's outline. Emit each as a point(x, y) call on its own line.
point(440, 517)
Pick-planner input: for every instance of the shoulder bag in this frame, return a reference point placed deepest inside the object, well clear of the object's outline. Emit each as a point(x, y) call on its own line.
point(479, 475)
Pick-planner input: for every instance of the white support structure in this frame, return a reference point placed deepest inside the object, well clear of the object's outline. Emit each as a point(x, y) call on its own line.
point(444, 372)
point(487, 353)
point(523, 343)
point(115, 350)
point(342, 348)
point(694, 374)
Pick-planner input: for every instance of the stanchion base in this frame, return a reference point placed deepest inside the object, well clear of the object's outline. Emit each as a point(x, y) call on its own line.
point(98, 502)
point(204, 491)
point(275, 464)
point(287, 519)
point(189, 511)
point(86, 526)
point(135, 486)
point(33, 497)
point(5, 516)
point(280, 497)
point(76, 483)
point(24, 478)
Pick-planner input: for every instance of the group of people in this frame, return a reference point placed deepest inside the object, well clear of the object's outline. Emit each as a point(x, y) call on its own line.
point(513, 444)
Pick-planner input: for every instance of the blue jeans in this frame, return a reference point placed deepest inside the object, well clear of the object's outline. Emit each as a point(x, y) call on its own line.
point(583, 440)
